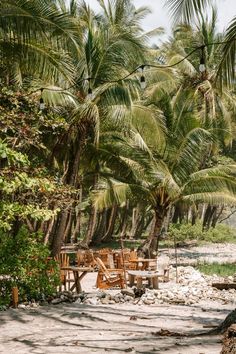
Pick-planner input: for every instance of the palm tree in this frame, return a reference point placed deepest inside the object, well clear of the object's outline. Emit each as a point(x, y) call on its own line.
point(108, 43)
point(167, 173)
point(34, 40)
point(185, 11)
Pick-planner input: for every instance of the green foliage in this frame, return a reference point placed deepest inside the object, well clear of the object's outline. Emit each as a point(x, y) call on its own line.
point(220, 234)
point(25, 188)
point(223, 270)
point(25, 262)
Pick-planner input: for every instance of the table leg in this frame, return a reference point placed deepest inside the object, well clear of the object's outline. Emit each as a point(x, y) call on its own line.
point(139, 282)
point(77, 279)
point(155, 282)
point(77, 284)
point(131, 280)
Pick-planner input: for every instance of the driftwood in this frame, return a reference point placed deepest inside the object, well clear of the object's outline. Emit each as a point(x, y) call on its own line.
point(222, 328)
point(229, 341)
point(225, 286)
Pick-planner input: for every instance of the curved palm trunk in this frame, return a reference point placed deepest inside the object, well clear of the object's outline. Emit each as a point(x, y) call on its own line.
point(111, 225)
point(90, 230)
point(101, 227)
point(60, 229)
point(150, 247)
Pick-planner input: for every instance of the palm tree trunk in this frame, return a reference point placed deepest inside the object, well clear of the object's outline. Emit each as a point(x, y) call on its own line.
point(59, 233)
point(71, 178)
point(150, 246)
point(91, 229)
point(111, 224)
point(101, 227)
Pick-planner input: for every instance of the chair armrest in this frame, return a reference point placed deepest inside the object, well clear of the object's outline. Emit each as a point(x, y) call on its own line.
point(115, 270)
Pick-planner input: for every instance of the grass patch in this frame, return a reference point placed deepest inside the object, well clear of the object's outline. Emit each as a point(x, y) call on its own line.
point(223, 270)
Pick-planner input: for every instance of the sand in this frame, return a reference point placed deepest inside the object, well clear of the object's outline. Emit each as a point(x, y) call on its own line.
point(113, 328)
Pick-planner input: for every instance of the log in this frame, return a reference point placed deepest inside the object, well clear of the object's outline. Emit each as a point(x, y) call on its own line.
point(229, 341)
point(225, 286)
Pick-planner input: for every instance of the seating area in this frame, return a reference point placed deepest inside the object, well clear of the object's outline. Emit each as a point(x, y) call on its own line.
point(114, 268)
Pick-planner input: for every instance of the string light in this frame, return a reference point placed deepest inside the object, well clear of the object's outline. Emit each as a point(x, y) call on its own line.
point(202, 68)
point(90, 91)
point(41, 101)
point(142, 79)
point(202, 65)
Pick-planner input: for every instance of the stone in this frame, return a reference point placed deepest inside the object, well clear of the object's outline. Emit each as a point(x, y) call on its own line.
point(56, 301)
point(101, 294)
point(104, 301)
point(148, 302)
point(127, 292)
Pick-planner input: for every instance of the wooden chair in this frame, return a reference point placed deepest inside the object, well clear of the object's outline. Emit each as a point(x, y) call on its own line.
point(105, 254)
point(109, 278)
point(133, 257)
point(63, 261)
point(85, 258)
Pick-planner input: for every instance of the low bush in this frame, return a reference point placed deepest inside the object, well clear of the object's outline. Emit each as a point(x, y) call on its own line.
point(25, 263)
point(185, 232)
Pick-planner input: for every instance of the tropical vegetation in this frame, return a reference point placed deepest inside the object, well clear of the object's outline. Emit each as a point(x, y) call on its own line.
point(87, 153)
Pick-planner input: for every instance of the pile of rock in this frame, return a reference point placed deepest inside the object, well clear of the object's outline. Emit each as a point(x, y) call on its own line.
point(191, 288)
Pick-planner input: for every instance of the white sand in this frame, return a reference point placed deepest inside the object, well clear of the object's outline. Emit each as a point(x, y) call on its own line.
point(82, 328)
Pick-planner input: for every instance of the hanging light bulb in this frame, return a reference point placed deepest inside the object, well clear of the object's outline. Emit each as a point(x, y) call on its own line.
point(41, 102)
point(90, 93)
point(143, 83)
point(202, 65)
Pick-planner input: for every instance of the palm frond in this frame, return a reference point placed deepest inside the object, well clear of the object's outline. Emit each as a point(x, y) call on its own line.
point(226, 69)
point(185, 10)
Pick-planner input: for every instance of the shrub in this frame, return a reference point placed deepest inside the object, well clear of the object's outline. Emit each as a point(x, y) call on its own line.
point(25, 262)
point(185, 232)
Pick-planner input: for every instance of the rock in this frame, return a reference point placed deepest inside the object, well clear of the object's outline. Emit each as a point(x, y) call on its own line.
point(56, 301)
point(148, 302)
point(127, 292)
point(101, 294)
point(104, 301)
point(128, 298)
point(21, 306)
point(91, 301)
point(117, 299)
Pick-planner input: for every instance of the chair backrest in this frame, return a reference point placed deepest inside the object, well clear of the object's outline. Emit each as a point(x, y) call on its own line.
point(102, 267)
point(85, 258)
point(105, 255)
point(62, 259)
point(133, 255)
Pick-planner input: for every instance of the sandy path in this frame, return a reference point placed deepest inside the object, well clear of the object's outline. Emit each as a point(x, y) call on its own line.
point(76, 328)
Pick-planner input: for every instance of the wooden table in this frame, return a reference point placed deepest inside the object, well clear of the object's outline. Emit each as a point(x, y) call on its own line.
point(78, 273)
point(142, 263)
point(141, 275)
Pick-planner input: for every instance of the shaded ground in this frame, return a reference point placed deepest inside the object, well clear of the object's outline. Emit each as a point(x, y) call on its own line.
point(120, 328)
point(76, 328)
